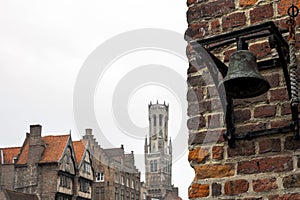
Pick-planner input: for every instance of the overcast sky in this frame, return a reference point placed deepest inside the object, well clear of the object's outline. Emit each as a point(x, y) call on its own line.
point(43, 47)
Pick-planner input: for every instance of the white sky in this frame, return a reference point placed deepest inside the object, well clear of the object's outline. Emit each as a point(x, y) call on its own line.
point(43, 45)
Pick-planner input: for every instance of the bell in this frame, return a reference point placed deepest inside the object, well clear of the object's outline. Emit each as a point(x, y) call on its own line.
point(243, 79)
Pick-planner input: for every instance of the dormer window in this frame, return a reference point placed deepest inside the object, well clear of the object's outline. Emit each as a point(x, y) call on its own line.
point(100, 177)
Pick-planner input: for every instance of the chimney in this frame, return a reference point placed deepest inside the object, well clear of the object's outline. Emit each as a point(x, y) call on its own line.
point(36, 147)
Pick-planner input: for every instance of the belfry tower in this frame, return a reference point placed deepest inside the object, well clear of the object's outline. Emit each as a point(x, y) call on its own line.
point(158, 152)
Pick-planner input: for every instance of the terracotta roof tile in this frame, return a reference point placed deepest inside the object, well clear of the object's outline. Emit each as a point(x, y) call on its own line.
point(79, 148)
point(9, 154)
point(55, 146)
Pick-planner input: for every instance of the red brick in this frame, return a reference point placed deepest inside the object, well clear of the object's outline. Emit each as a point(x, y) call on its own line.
point(261, 50)
point(216, 189)
point(227, 54)
point(283, 6)
point(214, 121)
point(196, 30)
point(243, 148)
point(285, 197)
point(215, 26)
point(195, 94)
point(248, 167)
point(198, 155)
point(273, 79)
point(196, 123)
point(265, 111)
point(269, 145)
point(250, 127)
point(254, 100)
point(192, 69)
point(261, 13)
point(263, 185)
point(291, 181)
point(214, 171)
point(217, 152)
point(279, 94)
point(276, 164)
point(190, 2)
point(285, 108)
point(244, 3)
point(242, 115)
point(291, 144)
point(236, 187)
point(198, 190)
point(194, 81)
point(210, 10)
point(211, 136)
point(233, 20)
point(279, 123)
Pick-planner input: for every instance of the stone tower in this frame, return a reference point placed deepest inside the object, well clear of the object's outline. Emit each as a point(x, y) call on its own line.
point(158, 152)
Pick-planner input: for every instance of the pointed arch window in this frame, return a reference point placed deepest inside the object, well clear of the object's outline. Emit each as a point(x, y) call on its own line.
point(160, 119)
point(155, 165)
point(154, 120)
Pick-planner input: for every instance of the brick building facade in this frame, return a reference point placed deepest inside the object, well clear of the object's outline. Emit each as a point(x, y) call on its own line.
point(265, 167)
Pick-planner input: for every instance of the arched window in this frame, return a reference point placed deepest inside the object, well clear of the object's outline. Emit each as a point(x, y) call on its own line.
point(160, 119)
point(154, 120)
point(155, 165)
point(151, 166)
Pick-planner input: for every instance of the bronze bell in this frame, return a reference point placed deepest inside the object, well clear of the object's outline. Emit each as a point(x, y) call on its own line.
point(243, 79)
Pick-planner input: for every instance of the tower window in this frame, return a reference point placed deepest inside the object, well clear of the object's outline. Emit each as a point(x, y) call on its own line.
point(154, 120)
point(155, 165)
point(160, 119)
point(151, 166)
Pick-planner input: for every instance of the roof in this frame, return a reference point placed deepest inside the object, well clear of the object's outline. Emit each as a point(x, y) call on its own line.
point(79, 148)
point(55, 146)
point(9, 154)
point(14, 195)
point(114, 152)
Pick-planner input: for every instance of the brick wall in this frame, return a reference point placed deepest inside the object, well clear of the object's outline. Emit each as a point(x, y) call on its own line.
point(266, 167)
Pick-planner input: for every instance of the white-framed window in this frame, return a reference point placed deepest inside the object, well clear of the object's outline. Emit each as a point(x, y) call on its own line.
point(86, 168)
point(127, 182)
point(122, 180)
point(99, 176)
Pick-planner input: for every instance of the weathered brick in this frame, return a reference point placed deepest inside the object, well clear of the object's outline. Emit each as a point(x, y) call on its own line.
point(261, 13)
point(215, 26)
point(273, 79)
point(283, 6)
point(242, 115)
point(248, 167)
point(228, 53)
point(196, 123)
point(243, 148)
point(192, 69)
point(285, 109)
point(195, 94)
point(190, 2)
point(269, 145)
point(254, 100)
point(233, 20)
point(214, 171)
point(198, 190)
point(210, 10)
point(285, 197)
point(195, 81)
point(196, 30)
point(217, 152)
point(236, 187)
point(279, 94)
point(276, 164)
point(279, 123)
point(250, 127)
point(214, 121)
point(291, 144)
point(244, 3)
point(262, 185)
point(198, 155)
point(211, 136)
point(265, 111)
point(216, 189)
point(261, 50)
point(291, 181)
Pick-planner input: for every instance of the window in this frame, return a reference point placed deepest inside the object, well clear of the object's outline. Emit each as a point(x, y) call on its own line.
point(154, 120)
point(155, 165)
point(101, 193)
point(122, 194)
point(151, 166)
point(116, 193)
point(132, 195)
point(100, 177)
point(84, 186)
point(132, 183)
point(63, 198)
point(65, 181)
point(127, 195)
point(127, 182)
point(160, 119)
point(86, 168)
point(122, 180)
point(137, 196)
point(137, 186)
point(116, 177)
